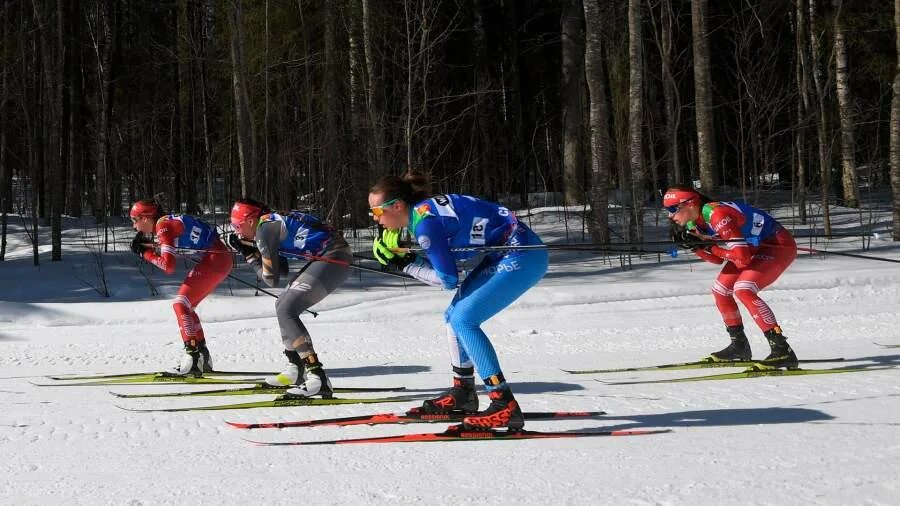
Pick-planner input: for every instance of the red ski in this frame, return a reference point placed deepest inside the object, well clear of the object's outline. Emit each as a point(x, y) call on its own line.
point(389, 418)
point(458, 433)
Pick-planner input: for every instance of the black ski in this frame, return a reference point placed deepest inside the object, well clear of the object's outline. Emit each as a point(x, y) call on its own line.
point(699, 364)
point(258, 388)
point(752, 373)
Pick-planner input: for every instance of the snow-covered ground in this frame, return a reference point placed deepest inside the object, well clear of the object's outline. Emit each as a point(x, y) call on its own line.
point(829, 439)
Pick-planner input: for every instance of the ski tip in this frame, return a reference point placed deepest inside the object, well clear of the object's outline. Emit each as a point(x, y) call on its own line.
point(117, 394)
point(256, 443)
point(239, 425)
point(639, 432)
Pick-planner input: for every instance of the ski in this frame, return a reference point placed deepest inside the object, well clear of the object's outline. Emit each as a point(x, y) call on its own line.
point(281, 402)
point(402, 418)
point(145, 374)
point(751, 373)
point(258, 388)
point(887, 345)
point(458, 433)
point(699, 364)
point(152, 378)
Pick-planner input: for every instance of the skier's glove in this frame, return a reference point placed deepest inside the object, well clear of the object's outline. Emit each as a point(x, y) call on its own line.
point(240, 246)
point(682, 238)
point(383, 249)
point(137, 244)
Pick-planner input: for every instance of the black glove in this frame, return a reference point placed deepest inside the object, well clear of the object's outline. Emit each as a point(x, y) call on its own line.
point(137, 244)
point(684, 239)
point(240, 246)
point(402, 261)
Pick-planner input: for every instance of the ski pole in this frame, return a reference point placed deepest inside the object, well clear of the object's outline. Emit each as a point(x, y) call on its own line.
point(239, 280)
point(853, 255)
point(351, 265)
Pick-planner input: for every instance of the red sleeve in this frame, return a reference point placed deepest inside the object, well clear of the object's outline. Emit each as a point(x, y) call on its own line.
point(709, 257)
point(726, 222)
point(166, 233)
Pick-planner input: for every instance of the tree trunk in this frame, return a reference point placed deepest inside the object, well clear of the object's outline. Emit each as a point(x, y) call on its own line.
point(845, 109)
point(803, 105)
point(58, 181)
point(636, 121)
point(373, 104)
point(821, 120)
point(670, 95)
point(244, 127)
point(706, 145)
point(570, 91)
point(595, 74)
point(104, 52)
point(895, 128)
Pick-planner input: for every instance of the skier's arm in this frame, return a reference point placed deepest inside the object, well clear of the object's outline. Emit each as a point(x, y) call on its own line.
point(727, 224)
point(422, 270)
point(705, 254)
point(268, 237)
point(166, 232)
point(431, 237)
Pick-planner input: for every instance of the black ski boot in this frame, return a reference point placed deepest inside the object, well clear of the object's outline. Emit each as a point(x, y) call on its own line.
point(503, 412)
point(460, 398)
point(782, 355)
point(738, 350)
point(205, 362)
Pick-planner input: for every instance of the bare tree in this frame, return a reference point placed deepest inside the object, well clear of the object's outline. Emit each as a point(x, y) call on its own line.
point(802, 78)
point(706, 145)
point(244, 125)
point(821, 117)
point(595, 74)
point(845, 108)
point(895, 128)
point(570, 90)
point(636, 120)
point(672, 102)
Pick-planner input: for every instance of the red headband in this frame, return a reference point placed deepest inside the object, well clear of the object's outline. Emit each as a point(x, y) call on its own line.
point(242, 211)
point(674, 197)
point(141, 208)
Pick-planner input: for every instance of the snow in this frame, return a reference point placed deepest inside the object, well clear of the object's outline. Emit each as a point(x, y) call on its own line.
point(828, 439)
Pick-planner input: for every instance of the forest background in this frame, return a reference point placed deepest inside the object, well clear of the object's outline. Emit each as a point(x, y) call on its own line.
point(303, 103)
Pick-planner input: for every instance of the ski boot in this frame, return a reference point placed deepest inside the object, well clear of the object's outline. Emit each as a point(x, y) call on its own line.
point(782, 355)
point(503, 412)
point(315, 383)
point(738, 350)
point(194, 360)
point(292, 374)
point(205, 358)
point(460, 398)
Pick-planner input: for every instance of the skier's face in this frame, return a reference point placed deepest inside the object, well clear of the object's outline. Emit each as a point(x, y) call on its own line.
point(390, 213)
point(245, 229)
point(143, 224)
point(685, 212)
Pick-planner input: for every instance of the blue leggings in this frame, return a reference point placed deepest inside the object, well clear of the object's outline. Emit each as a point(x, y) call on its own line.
point(495, 284)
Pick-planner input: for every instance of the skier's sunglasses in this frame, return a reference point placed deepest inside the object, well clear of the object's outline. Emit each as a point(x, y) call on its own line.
point(677, 207)
point(379, 210)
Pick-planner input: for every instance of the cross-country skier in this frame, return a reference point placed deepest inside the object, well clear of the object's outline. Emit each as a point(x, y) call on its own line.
point(438, 224)
point(755, 248)
point(182, 231)
point(264, 238)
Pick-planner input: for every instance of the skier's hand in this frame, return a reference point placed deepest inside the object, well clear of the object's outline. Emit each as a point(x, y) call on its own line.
point(683, 238)
point(137, 244)
point(384, 249)
point(240, 246)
